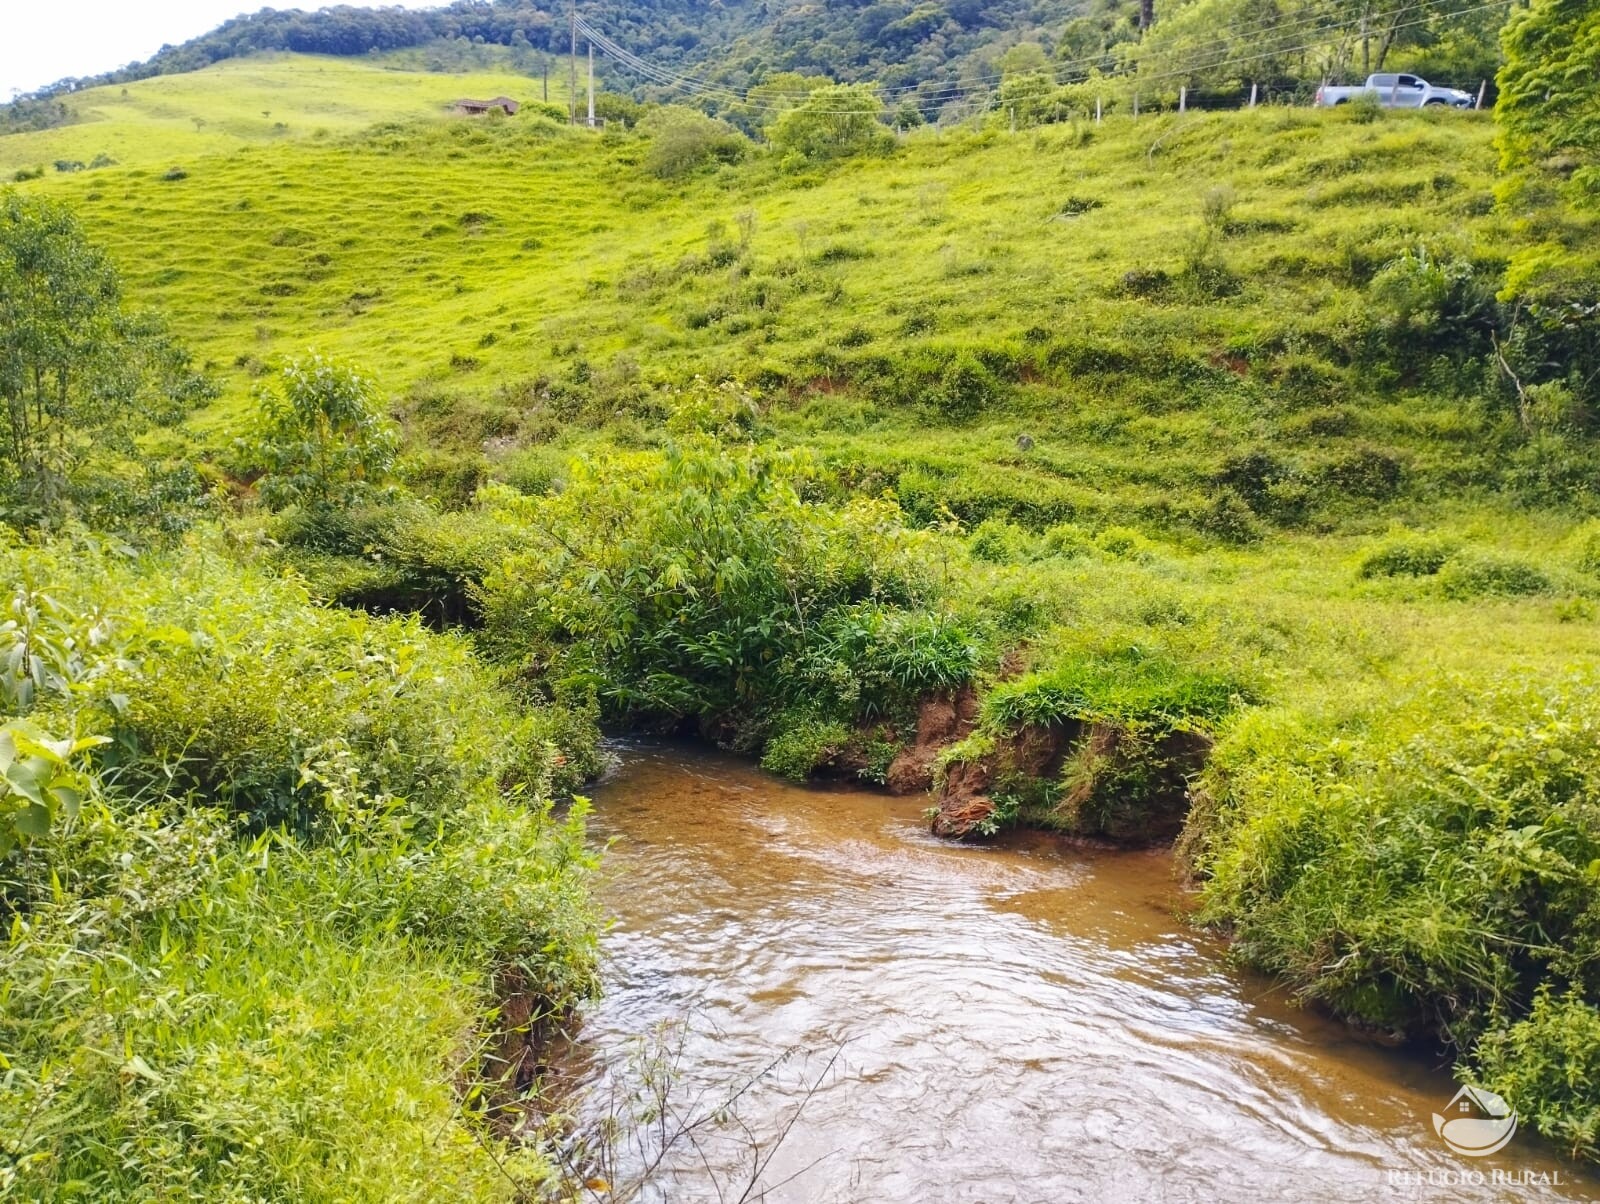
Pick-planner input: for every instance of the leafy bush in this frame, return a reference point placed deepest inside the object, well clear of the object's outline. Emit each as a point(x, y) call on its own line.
point(41, 779)
point(697, 583)
point(833, 122)
point(1548, 96)
point(1365, 473)
point(321, 437)
point(1474, 574)
point(1548, 1066)
point(1430, 304)
point(683, 140)
point(1407, 556)
point(1585, 547)
point(999, 541)
point(82, 377)
point(1425, 866)
point(965, 389)
point(1124, 543)
point(801, 747)
point(1230, 518)
point(1067, 540)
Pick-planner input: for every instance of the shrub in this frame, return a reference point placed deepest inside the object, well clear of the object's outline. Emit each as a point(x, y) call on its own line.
point(1539, 124)
point(1406, 556)
point(1145, 282)
point(1547, 1066)
point(682, 141)
point(833, 122)
point(735, 595)
point(1474, 574)
point(1124, 543)
point(998, 541)
point(1426, 866)
point(1230, 519)
point(41, 778)
point(1584, 546)
point(1067, 540)
point(1430, 305)
point(1365, 472)
point(82, 377)
point(801, 747)
point(1553, 408)
point(321, 437)
point(966, 388)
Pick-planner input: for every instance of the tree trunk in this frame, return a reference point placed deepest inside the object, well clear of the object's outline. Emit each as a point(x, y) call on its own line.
point(1147, 13)
point(1384, 46)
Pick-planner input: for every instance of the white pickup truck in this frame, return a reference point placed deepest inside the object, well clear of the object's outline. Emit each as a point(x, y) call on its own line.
point(1397, 92)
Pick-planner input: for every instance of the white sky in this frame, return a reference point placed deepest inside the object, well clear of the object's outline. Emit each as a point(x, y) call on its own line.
point(42, 41)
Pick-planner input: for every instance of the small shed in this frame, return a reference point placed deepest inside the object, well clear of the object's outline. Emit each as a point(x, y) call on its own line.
point(477, 108)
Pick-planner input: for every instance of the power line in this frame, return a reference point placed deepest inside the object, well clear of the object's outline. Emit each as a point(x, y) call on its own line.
point(1226, 35)
point(705, 89)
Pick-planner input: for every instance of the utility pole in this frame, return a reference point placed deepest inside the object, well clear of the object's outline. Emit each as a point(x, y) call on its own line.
point(572, 82)
point(591, 85)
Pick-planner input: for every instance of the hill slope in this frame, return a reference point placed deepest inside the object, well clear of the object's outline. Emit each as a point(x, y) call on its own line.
point(255, 101)
point(1156, 295)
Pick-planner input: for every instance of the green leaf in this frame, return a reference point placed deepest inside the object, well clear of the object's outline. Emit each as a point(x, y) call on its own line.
point(32, 821)
point(30, 777)
point(67, 800)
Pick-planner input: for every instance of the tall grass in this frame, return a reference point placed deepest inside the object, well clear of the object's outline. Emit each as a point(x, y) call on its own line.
point(264, 957)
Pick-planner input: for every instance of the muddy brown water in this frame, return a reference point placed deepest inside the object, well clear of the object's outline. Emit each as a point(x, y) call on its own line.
point(1027, 1022)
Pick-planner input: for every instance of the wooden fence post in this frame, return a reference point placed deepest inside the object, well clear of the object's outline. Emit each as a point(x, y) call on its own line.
point(1183, 99)
point(1097, 109)
point(1253, 87)
point(1483, 86)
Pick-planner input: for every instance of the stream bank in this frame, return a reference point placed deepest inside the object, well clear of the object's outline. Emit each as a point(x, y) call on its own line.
point(1025, 1021)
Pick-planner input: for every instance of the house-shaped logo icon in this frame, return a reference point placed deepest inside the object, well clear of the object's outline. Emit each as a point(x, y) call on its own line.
point(1476, 1123)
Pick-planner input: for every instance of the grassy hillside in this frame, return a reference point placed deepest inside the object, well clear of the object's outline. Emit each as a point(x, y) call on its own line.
point(540, 275)
point(258, 101)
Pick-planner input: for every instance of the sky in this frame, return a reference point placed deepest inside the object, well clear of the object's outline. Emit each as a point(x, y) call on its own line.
point(42, 41)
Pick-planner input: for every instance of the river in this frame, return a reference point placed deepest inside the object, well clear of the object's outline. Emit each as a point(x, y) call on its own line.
point(1021, 1022)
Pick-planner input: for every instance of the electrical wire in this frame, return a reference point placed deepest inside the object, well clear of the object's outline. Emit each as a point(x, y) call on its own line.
point(672, 80)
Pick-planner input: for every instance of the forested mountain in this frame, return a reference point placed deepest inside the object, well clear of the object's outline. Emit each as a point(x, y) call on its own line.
point(943, 48)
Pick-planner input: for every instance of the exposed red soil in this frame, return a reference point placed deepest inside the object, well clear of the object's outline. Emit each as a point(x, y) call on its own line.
point(941, 720)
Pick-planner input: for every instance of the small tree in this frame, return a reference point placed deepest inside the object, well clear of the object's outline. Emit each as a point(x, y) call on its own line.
point(832, 123)
point(80, 377)
point(321, 437)
point(1549, 106)
point(683, 140)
